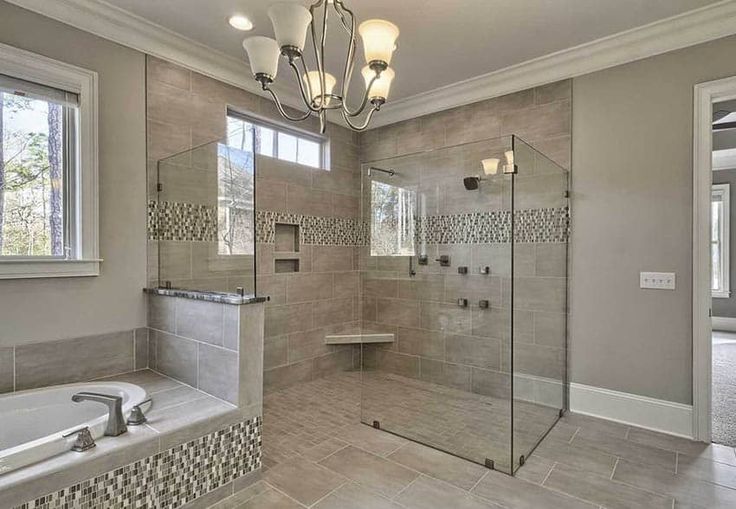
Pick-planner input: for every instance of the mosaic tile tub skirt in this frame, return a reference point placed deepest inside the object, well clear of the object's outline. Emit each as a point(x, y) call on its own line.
point(169, 479)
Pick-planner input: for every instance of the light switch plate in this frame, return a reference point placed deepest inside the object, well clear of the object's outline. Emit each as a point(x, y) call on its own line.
point(657, 280)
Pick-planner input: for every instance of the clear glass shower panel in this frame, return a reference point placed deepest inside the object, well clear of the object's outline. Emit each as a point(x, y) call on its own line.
point(204, 216)
point(539, 296)
point(435, 299)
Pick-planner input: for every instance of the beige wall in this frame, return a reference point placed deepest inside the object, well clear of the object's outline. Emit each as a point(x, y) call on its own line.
point(437, 341)
point(186, 109)
point(632, 209)
point(48, 309)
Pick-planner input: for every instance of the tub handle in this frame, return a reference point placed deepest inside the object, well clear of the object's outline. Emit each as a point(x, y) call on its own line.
point(137, 417)
point(84, 439)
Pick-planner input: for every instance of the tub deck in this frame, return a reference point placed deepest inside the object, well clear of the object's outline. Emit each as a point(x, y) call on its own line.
point(179, 413)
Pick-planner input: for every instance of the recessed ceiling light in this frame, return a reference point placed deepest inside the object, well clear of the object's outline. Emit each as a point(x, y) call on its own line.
point(240, 22)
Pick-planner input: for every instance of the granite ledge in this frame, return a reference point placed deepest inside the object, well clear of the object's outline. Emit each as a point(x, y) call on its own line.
point(219, 297)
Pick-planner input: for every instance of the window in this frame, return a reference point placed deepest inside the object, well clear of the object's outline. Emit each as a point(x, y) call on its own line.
point(48, 168)
point(392, 220)
point(719, 240)
point(235, 205)
point(274, 141)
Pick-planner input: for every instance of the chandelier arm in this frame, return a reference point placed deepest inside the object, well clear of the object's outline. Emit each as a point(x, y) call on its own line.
point(363, 103)
point(323, 43)
point(350, 60)
point(281, 109)
point(305, 97)
point(365, 123)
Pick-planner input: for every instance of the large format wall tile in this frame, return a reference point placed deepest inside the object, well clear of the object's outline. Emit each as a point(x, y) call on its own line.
point(73, 360)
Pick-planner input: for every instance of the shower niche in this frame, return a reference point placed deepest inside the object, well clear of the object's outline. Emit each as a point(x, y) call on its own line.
point(465, 264)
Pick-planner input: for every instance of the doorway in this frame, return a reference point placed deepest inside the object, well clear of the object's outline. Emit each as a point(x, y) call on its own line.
point(714, 301)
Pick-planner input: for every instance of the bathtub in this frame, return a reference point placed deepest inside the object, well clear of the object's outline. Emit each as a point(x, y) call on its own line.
point(32, 422)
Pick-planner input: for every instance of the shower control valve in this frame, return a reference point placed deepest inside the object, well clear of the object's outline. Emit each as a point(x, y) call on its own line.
point(462, 270)
point(444, 260)
point(484, 270)
point(483, 304)
point(463, 303)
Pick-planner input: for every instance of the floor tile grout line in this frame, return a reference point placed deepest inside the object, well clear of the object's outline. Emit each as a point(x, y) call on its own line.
point(485, 474)
point(613, 472)
point(274, 488)
point(548, 474)
point(347, 481)
point(402, 490)
point(574, 435)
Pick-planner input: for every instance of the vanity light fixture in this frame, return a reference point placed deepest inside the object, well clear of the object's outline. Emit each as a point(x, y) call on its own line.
point(240, 22)
point(291, 23)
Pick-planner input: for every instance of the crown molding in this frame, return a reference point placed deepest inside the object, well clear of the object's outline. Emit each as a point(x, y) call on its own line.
point(694, 27)
point(118, 25)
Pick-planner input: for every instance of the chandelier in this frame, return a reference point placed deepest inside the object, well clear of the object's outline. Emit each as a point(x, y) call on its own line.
point(291, 22)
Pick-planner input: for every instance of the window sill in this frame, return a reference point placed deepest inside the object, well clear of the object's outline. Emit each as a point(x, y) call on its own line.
point(721, 295)
point(31, 269)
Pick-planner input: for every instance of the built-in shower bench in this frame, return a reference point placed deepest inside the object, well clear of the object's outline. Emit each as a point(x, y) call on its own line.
point(356, 338)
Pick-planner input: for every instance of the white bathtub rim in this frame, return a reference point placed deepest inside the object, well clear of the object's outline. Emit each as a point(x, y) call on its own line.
point(49, 445)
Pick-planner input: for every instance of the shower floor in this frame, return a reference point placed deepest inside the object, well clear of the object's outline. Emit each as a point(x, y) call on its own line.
point(317, 455)
point(464, 424)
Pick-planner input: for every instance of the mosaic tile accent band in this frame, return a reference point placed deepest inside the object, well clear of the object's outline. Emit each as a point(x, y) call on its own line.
point(169, 479)
point(189, 222)
point(316, 230)
point(169, 220)
point(530, 225)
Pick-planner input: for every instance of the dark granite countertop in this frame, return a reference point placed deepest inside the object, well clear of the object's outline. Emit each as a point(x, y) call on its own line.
point(221, 297)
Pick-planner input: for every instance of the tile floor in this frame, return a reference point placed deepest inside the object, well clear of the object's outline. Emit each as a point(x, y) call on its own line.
point(318, 455)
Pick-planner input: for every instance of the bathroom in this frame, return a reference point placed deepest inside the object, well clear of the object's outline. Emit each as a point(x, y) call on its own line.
point(240, 310)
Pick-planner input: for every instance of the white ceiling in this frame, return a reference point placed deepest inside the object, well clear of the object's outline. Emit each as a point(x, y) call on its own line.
point(441, 42)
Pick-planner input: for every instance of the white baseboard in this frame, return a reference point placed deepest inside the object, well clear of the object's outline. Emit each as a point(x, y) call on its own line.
point(724, 323)
point(650, 413)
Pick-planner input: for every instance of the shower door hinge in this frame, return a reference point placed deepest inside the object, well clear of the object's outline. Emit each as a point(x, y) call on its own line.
point(489, 464)
point(566, 194)
point(159, 187)
point(710, 313)
point(376, 424)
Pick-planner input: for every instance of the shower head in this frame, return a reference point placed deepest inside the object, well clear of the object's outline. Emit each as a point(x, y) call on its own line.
point(390, 173)
point(472, 183)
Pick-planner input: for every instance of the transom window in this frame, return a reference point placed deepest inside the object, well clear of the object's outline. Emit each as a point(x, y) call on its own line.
point(272, 140)
point(719, 240)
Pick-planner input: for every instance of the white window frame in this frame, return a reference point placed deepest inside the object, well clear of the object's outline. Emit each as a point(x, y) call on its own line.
point(53, 73)
point(724, 191)
point(276, 127)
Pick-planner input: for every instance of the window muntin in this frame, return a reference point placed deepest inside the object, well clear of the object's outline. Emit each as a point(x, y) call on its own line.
point(38, 172)
point(719, 241)
point(275, 141)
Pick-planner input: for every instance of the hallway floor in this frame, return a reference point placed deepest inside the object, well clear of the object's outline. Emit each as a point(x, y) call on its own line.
point(724, 388)
point(318, 455)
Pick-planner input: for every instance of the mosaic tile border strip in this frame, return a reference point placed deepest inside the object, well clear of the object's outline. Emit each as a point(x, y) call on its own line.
point(315, 230)
point(169, 479)
point(530, 225)
point(169, 220)
point(188, 222)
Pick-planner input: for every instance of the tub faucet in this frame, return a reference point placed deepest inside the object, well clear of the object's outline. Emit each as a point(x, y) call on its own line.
point(115, 421)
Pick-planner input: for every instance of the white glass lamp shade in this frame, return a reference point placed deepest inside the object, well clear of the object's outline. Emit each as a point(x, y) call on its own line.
point(379, 40)
point(312, 80)
point(263, 55)
point(290, 23)
point(509, 161)
point(490, 166)
point(380, 87)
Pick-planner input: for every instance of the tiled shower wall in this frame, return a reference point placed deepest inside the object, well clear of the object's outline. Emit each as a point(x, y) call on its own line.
point(468, 348)
point(185, 110)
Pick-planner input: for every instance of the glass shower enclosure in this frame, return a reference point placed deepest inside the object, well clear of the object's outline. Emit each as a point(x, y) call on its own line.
point(464, 298)
point(202, 217)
